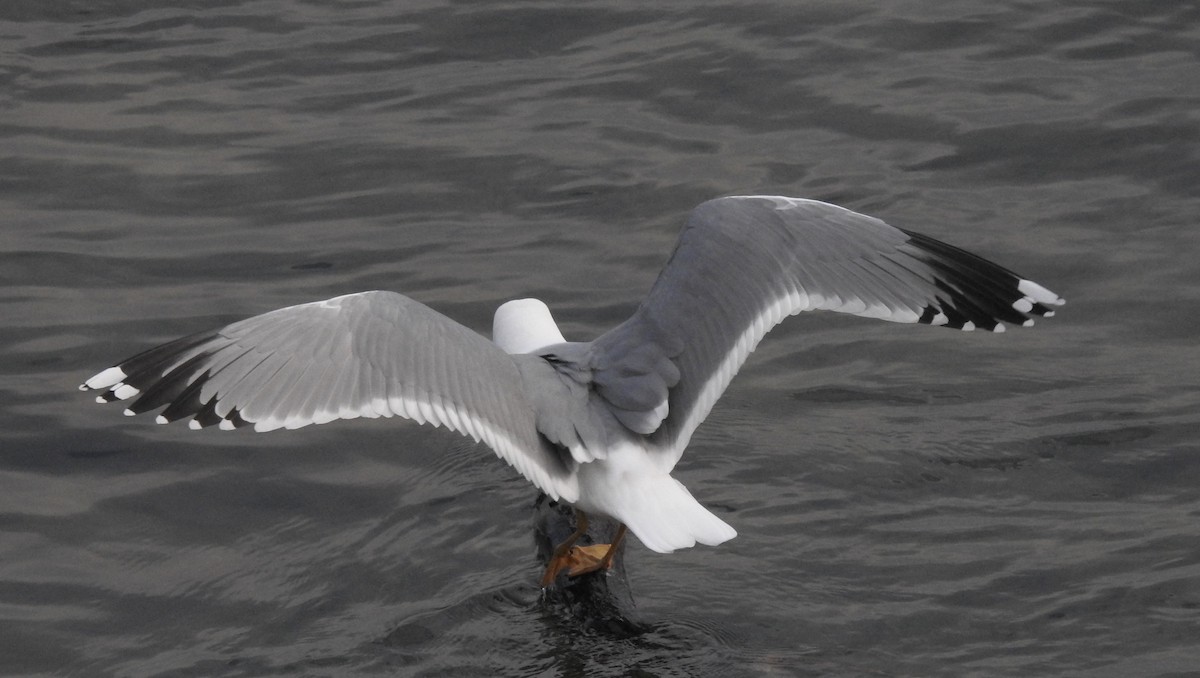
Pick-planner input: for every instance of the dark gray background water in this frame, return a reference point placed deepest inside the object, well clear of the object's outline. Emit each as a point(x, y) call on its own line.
point(910, 501)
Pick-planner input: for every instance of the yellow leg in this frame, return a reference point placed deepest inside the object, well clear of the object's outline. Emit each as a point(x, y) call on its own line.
point(612, 551)
point(561, 558)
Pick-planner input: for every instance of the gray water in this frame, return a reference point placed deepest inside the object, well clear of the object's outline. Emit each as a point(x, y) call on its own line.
point(911, 501)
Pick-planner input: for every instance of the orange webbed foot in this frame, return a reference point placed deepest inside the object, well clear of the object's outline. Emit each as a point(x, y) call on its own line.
point(584, 559)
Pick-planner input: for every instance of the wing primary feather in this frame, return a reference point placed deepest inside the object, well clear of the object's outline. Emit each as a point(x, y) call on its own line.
point(904, 284)
point(185, 404)
point(246, 391)
point(1040, 309)
point(169, 386)
point(233, 376)
point(954, 318)
point(235, 420)
point(875, 292)
point(989, 287)
point(965, 260)
point(144, 364)
point(207, 415)
point(980, 298)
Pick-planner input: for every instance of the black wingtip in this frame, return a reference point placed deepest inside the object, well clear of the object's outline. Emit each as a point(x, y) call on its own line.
point(976, 292)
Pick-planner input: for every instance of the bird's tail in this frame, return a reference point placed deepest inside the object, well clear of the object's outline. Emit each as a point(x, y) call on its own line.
point(665, 516)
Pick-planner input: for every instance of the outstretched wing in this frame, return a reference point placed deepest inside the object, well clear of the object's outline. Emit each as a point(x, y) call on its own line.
point(744, 263)
point(374, 354)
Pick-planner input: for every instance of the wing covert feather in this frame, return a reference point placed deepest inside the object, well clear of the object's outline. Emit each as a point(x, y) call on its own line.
point(744, 263)
point(360, 355)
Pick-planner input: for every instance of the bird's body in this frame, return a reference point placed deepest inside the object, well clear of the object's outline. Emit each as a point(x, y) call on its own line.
point(634, 485)
point(617, 471)
point(598, 424)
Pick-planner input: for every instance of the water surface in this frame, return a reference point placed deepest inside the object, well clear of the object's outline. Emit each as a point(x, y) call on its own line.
point(910, 501)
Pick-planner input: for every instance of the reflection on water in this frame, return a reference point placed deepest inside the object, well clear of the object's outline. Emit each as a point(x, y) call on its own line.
point(909, 501)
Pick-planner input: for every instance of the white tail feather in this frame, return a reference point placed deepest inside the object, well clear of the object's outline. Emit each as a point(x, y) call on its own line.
point(664, 516)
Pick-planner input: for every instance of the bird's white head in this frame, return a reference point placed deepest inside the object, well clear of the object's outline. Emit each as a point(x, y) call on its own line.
point(524, 326)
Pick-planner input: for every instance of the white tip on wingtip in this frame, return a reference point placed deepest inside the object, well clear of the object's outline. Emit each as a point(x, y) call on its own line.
point(226, 425)
point(128, 412)
point(1027, 323)
point(125, 391)
point(161, 420)
point(194, 425)
point(968, 326)
point(998, 328)
point(1038, 293)
point(109, 377)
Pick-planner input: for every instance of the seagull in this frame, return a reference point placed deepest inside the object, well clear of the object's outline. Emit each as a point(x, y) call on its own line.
point(597, 424)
